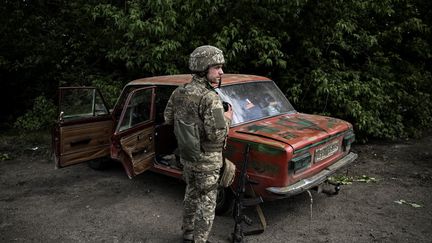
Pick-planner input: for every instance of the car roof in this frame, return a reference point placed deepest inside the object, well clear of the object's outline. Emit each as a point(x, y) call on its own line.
point(179, 79)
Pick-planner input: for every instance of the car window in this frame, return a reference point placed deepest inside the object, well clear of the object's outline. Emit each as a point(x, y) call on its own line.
point(121, 100)
point(76, 103)
point(255, 100)
point(138, 109)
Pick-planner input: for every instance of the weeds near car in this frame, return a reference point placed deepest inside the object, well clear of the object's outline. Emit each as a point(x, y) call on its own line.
point(347, 180)
point(14, 143)
point(414, 205)
point(4, 156)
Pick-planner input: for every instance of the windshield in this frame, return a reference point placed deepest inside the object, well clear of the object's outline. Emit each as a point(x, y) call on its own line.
point(255, 100)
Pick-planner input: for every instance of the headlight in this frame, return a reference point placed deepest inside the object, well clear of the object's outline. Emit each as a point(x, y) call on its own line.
point(348, 139)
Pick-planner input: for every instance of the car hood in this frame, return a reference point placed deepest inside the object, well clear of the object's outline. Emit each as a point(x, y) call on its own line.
point(296, 129)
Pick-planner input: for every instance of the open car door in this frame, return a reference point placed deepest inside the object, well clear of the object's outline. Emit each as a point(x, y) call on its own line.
point(133, 139)
point(84, 126)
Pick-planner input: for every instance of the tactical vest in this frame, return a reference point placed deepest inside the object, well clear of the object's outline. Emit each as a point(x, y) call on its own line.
point(188, 123)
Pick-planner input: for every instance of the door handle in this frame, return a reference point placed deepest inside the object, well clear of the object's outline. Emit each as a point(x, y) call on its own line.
point(61, 116)
point(80, 142)
point(141, 136)
point(140, 152)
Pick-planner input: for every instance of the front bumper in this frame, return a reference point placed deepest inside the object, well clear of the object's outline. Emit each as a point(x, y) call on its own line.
point(313, 181)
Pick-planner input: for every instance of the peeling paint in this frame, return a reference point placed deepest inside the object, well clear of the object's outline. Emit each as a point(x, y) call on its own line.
point(266, 129)
point(288, 135)
point(264, 167)
point(298, 123)
point(332, 122)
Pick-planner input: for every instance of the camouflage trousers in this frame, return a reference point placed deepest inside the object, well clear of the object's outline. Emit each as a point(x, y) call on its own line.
point(199, 202)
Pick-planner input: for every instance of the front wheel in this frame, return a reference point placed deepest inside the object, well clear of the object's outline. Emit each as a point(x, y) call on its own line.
point(224, 201)
point(99, 164)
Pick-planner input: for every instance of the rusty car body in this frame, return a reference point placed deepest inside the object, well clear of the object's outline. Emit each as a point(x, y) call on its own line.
point(290, 152)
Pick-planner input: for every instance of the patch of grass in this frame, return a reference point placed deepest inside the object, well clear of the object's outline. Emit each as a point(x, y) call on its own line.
point(4, 156)
point(14, 143)
point(347, 180)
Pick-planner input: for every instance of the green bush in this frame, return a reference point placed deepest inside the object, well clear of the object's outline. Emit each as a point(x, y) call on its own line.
point(41, 116)
point(109, 88)
point(364, 61)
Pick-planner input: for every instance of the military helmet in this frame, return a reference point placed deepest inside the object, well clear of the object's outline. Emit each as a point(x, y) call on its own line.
point(204, 57)
point(227, 173)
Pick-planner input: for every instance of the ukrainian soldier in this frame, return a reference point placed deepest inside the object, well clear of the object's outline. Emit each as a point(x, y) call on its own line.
point(201, 126)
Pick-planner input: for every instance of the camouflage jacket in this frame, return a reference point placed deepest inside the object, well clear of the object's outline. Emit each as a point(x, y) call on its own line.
point(197, 102)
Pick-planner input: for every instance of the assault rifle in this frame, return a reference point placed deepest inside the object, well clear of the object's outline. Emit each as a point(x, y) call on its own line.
point(241, 203)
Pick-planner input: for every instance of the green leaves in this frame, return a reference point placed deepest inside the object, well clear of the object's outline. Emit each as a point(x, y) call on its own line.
point(41, 116)
point(364, 61)
point(145, 35)
point(5, 156)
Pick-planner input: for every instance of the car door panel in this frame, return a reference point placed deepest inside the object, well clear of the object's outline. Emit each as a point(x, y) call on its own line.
point(84, 126)
point(135, 132)
point(84, 142)
point(139, 147)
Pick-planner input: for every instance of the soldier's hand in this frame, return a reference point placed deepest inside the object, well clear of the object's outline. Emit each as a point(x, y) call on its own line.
point(229, 113)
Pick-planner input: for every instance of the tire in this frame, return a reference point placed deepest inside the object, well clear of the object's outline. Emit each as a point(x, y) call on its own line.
point(224, 201)
point(98, 164)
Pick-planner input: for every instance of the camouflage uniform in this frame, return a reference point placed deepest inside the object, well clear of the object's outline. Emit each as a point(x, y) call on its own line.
point(198, 103)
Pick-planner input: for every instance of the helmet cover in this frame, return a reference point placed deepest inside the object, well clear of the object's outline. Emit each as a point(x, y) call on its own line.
point(204, 57)
point(228, 173)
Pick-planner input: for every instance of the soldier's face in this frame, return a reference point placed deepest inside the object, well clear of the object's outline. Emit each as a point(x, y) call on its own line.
point(214, 74)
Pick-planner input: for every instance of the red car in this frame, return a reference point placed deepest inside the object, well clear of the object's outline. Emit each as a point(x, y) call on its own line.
point(290, 152)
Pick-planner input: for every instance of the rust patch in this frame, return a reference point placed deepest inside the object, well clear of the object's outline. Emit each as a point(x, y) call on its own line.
point(288, 135)
point(263, 167)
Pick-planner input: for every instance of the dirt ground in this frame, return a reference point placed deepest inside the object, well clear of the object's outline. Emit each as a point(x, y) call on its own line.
point(77, 204)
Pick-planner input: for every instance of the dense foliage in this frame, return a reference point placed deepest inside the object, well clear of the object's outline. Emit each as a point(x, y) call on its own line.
point(364, 61)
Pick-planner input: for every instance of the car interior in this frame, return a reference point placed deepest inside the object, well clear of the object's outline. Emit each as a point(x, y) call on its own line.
point(165, 141)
